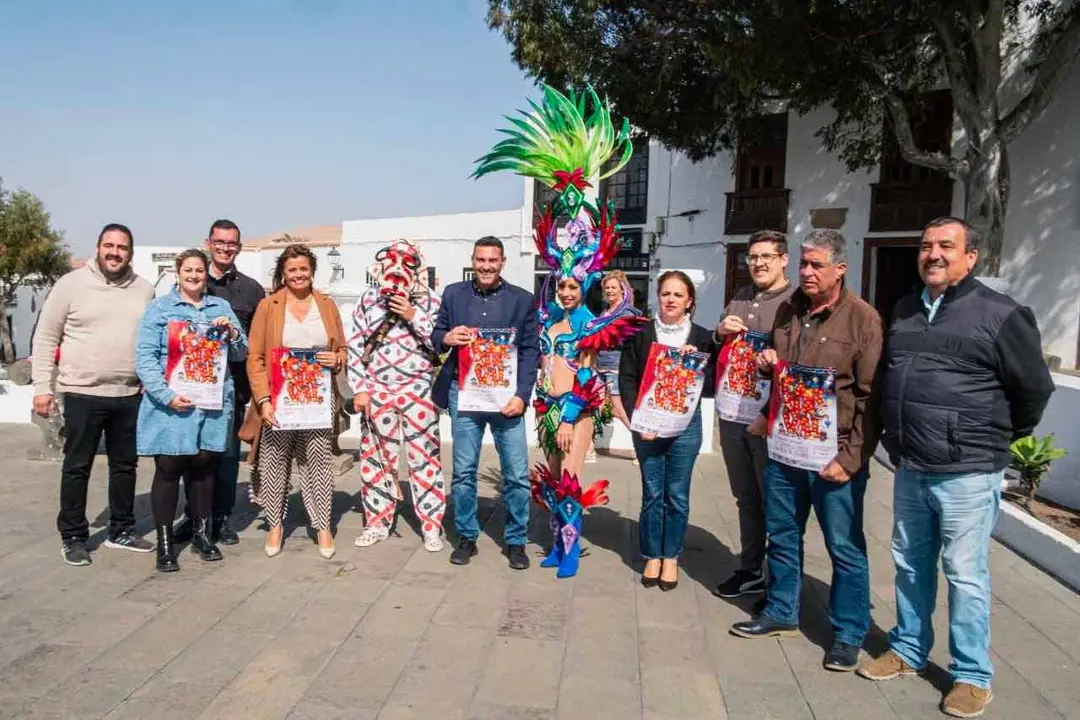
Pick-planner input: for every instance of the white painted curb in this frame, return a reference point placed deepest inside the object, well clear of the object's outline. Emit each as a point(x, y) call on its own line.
point(1042, 545)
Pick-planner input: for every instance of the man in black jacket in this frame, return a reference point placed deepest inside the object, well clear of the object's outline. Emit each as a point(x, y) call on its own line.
point(964, 378)
point(243, 294)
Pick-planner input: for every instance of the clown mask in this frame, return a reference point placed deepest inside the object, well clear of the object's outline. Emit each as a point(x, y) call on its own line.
point(397, 268)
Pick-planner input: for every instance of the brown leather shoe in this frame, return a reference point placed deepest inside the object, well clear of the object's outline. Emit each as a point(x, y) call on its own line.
point(885, 667)
point(966, 700)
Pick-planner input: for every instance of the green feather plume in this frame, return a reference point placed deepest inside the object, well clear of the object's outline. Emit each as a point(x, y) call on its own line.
point(559, 136)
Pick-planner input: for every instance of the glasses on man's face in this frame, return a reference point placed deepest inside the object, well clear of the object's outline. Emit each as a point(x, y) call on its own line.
point(223, 245)
point(765, 259)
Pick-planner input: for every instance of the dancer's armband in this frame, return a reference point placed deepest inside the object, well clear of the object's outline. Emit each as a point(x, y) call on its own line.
point(577, 401)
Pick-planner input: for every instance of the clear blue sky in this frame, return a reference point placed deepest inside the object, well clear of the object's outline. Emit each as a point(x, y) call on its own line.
point(275, 113)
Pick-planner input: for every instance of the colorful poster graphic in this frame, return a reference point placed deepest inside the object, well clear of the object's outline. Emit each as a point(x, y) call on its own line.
point(670, 389)
point(741, 391)
point(195, 362)
point(487, 370)
point(300, 390)
point(802, 416)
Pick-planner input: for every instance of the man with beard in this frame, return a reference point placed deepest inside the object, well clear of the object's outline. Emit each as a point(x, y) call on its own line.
point(94, 314)
point(391, 368)
point(964, 378)
point(243, 294)
point(488, 301)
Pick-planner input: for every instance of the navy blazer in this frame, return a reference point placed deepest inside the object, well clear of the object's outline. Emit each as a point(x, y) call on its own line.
point(463, 303)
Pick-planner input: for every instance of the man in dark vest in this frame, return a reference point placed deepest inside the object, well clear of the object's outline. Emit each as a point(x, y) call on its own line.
point(964, 378)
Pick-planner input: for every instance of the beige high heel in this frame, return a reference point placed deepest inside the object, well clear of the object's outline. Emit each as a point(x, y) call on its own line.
point(326, 544)
point(272, 549)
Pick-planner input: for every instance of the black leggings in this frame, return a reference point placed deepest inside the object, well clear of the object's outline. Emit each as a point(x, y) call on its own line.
point(198, 471)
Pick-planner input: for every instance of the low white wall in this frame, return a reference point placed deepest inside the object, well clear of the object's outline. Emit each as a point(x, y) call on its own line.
point(1062, 418)
point(16, 402)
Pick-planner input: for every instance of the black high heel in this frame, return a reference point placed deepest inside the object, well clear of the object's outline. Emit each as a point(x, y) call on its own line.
point(650, 581)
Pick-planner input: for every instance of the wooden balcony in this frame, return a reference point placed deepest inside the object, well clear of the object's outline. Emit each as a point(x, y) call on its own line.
point(895, 208)
point(751, 210)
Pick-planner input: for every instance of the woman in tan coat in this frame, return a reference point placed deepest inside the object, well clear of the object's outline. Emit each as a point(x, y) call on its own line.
point(295, 316)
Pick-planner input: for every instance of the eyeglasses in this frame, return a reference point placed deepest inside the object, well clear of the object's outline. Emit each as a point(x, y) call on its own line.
point(221, 245)
point(764, 259)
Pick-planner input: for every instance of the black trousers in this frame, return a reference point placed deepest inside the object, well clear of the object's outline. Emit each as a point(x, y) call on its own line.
point(198, 473)
point(86, 417)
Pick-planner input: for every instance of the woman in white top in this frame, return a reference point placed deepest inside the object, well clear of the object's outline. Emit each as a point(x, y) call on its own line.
point(666, 463)
point(294, 316)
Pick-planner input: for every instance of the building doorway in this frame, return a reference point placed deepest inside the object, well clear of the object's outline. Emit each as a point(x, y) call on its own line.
point(890, 271)
point(737, 275)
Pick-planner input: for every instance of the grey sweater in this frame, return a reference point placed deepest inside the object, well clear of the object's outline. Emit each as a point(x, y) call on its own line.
point(94, 321)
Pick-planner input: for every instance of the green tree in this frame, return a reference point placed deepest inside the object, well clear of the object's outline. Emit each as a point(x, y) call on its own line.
point(32, 253)
point(689, 73)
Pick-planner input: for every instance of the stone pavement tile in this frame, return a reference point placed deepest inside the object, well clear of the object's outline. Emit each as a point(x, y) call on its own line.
point(424, 579)
point(268, 609)
point(677, 609)
point(1057, 621)
point(676, 679)
point(215, 658)
point(280, 674)
point(308, 709)
point(509, 712)
point(522, 672)
point(468, 603)
point(839, 696)
point(764, 700)
point(1049, 670)
point(403, 611)
point(601, 675)
point(537, 612)
point(93, 692)
point(383, 560)
point(362, 673)
point(165, 701)
point(445, 671)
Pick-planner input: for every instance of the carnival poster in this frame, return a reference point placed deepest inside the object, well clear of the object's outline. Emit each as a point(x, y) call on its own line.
point(741, 391)
point(670, 388)
point(487, 370)
point(195, 361)
point(300, 390)
point(802, 416)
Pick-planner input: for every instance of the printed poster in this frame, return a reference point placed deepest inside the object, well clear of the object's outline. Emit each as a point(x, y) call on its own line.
point(802, 416)
point(487, 370)
point(195, 361)
point(670, 389)
point(741, 391)
point(300, 390)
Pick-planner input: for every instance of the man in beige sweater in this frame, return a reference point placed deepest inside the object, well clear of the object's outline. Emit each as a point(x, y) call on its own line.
point(92, 315)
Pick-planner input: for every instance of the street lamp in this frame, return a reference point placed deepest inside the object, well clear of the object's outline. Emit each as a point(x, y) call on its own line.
point(337, 272)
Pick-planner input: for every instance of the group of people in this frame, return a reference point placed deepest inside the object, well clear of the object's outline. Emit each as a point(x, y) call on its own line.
point(946, 388)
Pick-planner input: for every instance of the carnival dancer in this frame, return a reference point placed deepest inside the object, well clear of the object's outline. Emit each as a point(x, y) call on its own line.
point(564, 148)
point(392, 364)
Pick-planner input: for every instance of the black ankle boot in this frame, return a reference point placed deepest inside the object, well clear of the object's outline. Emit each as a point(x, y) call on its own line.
point(201, 542)
point(223, 533)
point(166, 553)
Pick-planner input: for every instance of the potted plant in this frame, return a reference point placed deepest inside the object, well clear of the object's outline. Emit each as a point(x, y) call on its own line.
point(1031, 457)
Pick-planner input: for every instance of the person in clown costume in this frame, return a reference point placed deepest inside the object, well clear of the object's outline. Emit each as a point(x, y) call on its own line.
point(391, 368)
point(563, 144)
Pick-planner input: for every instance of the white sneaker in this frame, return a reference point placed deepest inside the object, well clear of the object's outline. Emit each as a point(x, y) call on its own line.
point(371, 535)
point(433, 541)
point(590, 457)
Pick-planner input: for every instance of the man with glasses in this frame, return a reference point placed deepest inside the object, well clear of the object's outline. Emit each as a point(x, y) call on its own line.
point(243, 294)
point(752, 308)
point(825, 416)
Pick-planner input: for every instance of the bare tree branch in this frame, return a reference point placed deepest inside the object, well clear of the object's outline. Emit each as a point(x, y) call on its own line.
point(905, 138)
point(1048, 78)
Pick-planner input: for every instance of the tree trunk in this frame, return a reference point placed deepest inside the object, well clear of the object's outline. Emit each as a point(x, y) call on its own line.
point(7, 347)
point(986, 198)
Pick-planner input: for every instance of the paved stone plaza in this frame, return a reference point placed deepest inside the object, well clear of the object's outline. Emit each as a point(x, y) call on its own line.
point(395, 632)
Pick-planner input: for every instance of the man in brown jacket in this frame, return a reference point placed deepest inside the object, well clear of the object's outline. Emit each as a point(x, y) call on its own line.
point(751, 310)
point(822, 428)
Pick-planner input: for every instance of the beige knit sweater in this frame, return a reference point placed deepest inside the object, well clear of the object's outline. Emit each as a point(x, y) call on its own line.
point(94, 322)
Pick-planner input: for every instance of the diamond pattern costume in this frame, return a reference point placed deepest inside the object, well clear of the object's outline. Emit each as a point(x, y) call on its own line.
point(564, 143)
point(392, 360)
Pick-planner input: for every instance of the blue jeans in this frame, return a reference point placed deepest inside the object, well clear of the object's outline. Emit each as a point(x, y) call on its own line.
point(947, 515)
point(789, 495)
point(666, 467)
point(467, 431)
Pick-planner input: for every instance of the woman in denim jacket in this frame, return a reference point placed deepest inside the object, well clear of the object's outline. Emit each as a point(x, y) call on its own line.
point(184, 439)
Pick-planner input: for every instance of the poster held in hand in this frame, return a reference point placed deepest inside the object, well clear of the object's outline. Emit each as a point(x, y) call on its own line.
point(195, 362)
point(741, 392)
point(802, 416)
point(300, 389)
point(671, 387)
point(487, 370)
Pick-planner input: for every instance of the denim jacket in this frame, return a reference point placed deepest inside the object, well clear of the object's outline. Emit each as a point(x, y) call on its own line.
point(162, 430)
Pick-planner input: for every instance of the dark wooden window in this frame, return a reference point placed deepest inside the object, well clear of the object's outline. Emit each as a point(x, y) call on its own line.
point(467, 274)
point(908, 196)
point(760, 200)
point(629, 187)
point(738, 272)
point(543, 195)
